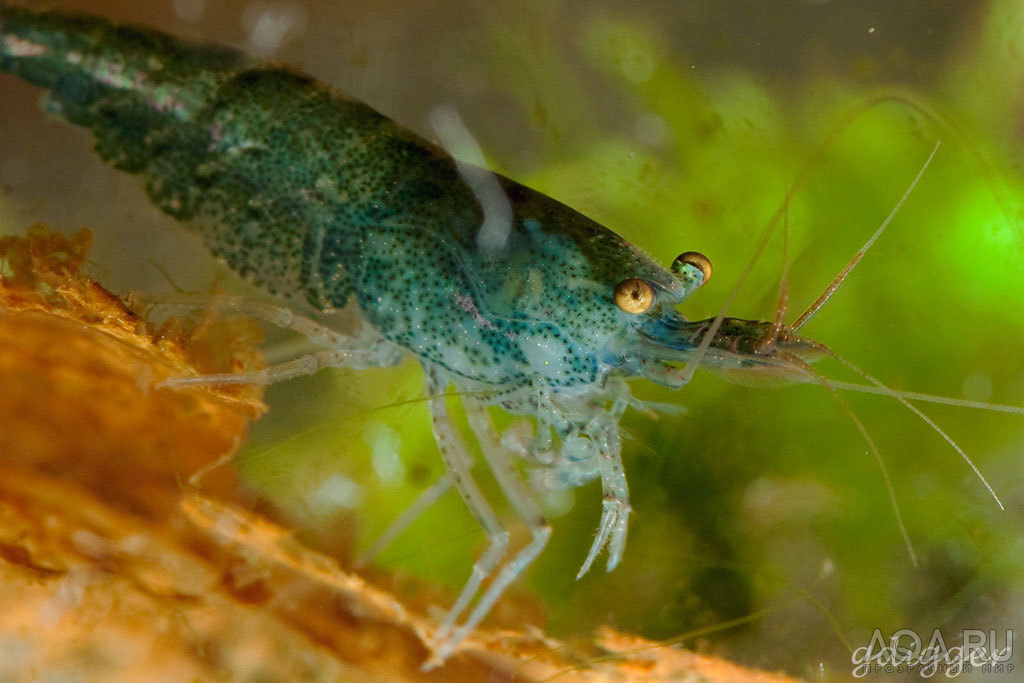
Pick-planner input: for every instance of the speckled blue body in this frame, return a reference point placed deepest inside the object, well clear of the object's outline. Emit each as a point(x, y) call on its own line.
point(310, 193)
point(314, 195)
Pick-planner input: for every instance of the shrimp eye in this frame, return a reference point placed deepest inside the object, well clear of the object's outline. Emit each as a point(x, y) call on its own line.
point(634, 295)
point(695, 259)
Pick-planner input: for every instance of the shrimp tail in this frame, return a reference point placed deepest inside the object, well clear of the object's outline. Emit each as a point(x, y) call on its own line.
point(130, 86)
point(192, 120)
point(65, 52)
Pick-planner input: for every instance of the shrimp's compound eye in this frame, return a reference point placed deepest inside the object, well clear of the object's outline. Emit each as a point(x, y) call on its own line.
point(634, 295)
point(695, 259)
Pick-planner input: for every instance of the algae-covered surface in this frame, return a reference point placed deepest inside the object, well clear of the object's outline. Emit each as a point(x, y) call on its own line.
point(762, 523)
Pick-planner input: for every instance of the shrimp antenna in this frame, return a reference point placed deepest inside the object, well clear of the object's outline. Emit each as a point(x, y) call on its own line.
point(686, 374)
point(777, 326)
point(879, 386)
point(782, 300)
point(928, 398)
point(845, 272)
point(875, 453)
point(901, 397)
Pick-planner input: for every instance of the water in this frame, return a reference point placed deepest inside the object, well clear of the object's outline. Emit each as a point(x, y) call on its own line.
point(680, 126)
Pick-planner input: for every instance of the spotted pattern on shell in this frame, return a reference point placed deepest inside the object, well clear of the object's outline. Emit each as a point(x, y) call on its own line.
point(312, 194)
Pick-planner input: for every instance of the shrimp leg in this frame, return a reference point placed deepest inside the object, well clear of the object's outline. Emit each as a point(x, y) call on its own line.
point(527, 508)
point(350, 351)
point(458, 463)
point(306, 364)
point(278, 316)
point(615, 508)
point(429, 496)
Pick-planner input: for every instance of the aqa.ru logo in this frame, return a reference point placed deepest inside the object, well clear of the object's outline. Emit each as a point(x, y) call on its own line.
point(977, 652)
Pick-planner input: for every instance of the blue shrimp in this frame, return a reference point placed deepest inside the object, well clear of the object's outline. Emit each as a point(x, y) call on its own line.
point(317, 197)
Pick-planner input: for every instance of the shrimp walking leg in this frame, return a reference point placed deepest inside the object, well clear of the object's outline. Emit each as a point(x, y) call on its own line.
point(457, 462)
point(279, 316)
point(298, 367)
point(615, 508)
point(429, 496)
point(505, 473)
point(513, 568)
point(527, 508)
point(363, 350)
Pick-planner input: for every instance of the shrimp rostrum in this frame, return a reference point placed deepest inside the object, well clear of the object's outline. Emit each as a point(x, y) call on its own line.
point(518, 302)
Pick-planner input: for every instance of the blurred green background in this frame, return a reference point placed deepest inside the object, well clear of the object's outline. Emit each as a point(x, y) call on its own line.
point(680, 125)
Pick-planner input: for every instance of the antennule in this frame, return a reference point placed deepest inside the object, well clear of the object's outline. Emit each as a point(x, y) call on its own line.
point(884, 390)
point(871, 446)
point(845, 272)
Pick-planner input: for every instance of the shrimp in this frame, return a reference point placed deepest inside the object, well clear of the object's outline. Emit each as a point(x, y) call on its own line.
point(512, 298)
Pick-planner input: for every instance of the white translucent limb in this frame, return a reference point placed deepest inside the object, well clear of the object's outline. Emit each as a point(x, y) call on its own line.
point(501, 465)
point(427, 498)
point(540, 448)
point(279, 316)
point(298, 367)
point(564, 473)
point(529, 511)
point(523, 440)
point(523, 559)
point(456, 460)
point(615, 508)
point(342, 350)
point(589, 445)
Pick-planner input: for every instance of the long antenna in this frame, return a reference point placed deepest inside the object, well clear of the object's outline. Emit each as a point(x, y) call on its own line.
point(871, 446)
point(899, 396)
point(845, 272)
point(927, 398)
point(686, 374)
point(782, 300)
